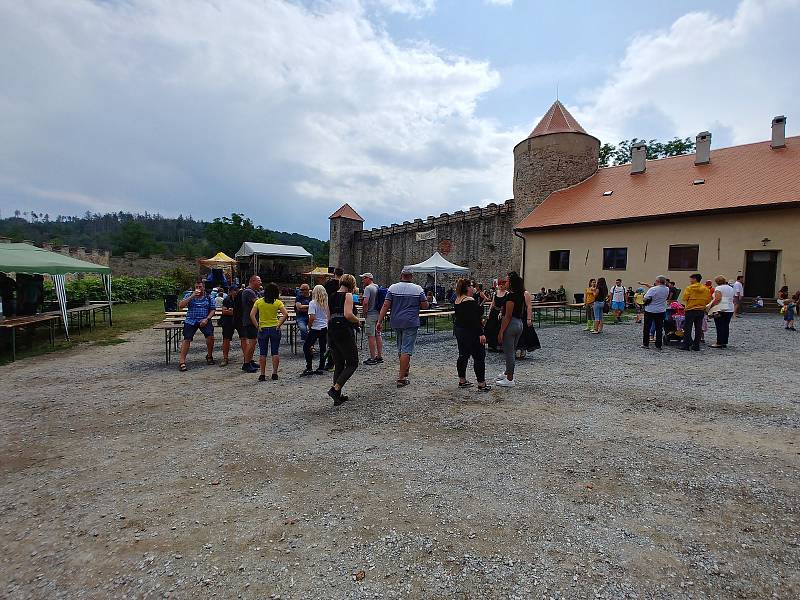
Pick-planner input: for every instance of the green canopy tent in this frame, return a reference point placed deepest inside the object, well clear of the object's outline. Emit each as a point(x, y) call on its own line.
point(24, 258)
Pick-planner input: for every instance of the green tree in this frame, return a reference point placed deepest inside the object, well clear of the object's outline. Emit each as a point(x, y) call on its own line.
point(135, 237)
point(621, 153)
point(229, 233)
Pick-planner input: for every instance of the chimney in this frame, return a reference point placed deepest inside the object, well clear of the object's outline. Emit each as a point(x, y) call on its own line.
point(778, 132)
point(702, 149)
point(638, 158)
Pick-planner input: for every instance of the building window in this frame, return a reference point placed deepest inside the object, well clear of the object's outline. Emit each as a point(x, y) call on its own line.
point(615, 259)
point(683, 257)
point(559, 260)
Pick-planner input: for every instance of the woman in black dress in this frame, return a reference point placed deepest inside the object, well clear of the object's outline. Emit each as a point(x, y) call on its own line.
point(496, 314)
point(468, 329)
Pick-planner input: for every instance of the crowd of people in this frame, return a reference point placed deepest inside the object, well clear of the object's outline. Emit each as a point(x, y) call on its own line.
point(329, 316)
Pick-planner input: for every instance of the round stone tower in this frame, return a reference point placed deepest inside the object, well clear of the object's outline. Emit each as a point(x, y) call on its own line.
point(557, 154)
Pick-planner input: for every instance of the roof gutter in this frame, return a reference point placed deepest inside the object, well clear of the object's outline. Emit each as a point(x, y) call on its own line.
point(522, 267)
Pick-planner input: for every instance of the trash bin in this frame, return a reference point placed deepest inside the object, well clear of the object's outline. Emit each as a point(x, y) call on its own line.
point(171, 303)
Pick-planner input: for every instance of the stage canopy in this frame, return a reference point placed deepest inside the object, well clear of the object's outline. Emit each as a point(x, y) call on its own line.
point(24, 258)
point(250, 249)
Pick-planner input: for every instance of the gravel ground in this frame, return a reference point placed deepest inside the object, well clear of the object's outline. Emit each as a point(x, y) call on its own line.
point(608, 472)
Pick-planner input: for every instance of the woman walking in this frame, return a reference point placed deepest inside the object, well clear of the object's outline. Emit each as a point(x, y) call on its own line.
point(511, 327)
point(317, 329)
point(342, 337)
point(600, 298)
point(496, 314)
point(721, 308)
point(468, 330)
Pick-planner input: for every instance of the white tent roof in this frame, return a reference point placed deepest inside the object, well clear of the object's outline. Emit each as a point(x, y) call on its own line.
point(273, 250)
point(437, 264)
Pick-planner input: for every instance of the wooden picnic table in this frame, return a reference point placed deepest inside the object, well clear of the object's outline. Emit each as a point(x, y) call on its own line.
point(13, 323)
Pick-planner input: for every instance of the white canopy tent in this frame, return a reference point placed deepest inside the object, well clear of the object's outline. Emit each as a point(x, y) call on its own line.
point(436, 264)
point(249, 249)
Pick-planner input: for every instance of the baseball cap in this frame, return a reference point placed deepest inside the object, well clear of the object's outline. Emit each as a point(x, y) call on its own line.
point(406, 271)
point(370, 275)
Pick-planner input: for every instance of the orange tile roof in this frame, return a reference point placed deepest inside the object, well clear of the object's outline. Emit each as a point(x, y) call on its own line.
point(347, 212)
point(740, 177)
point(557, 120)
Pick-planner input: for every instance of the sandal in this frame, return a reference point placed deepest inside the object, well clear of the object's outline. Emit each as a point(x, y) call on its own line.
point(182, 368)
point(209, 359)
point(466, 384)
point(402, 383)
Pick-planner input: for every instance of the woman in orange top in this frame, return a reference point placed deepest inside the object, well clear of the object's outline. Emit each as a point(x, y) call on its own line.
point(588, 301)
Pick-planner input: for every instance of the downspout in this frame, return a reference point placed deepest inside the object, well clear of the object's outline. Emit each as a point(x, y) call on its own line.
point(522, 267)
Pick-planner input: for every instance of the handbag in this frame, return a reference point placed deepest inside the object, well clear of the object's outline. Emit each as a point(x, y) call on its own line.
point(606, 307)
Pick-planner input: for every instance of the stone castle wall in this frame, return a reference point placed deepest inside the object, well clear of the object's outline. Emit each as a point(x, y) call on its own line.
point(132, 265)
point(480, 238)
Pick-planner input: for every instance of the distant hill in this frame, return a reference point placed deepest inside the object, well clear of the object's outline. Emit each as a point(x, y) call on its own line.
point(151, 233)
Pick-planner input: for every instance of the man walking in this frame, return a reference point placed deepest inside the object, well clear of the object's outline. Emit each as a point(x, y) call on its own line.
point(738, 296)
point(199, 312)
point(370, 310)
point(617, 297)
point(405, 299)
point(655, 305)
point(249, 297)
point(695, 298)
point(301, 302)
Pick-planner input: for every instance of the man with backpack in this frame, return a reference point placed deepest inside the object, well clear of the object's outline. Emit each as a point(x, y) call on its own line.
point(617, 297)
point(371, 302)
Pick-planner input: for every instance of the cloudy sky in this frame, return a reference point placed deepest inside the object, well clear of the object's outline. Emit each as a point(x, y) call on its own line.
point(283, 110)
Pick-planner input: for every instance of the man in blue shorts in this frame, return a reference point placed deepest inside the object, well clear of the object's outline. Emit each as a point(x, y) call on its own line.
point(405, 299)
point(617, 296)
point(199, 312)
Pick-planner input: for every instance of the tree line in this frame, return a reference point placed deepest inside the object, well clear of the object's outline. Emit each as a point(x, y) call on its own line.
point(152, 234)
point(620, 154)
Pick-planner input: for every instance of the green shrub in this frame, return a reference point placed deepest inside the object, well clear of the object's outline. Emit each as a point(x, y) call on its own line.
point(123, 289)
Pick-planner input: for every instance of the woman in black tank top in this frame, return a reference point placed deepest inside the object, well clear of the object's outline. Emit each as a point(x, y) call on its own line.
point(341, 335)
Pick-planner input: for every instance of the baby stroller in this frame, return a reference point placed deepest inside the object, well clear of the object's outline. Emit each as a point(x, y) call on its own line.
point(673, 324)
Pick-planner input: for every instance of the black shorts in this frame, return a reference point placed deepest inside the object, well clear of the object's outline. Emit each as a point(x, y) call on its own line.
point(228, 327)
point(250, 331)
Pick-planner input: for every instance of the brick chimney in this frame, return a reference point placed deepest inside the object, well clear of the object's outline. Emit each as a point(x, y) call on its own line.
point(778, 132)
point(702, 152)
point(638, 158)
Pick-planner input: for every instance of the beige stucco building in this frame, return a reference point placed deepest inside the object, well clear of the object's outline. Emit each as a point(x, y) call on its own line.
point(732, 211)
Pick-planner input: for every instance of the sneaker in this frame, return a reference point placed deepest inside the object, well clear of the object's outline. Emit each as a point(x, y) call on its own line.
point(505, 383)
point(379, 360)
point(370, 361)
point(262, 377)
point(254, 364)
point(274, 377)
point(307, 372)
point(501, 375)
point(319, 372)
point(249, 368)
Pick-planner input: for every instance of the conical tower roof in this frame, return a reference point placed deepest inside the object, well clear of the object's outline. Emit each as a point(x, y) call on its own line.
point(347, 212)
point(557, 120)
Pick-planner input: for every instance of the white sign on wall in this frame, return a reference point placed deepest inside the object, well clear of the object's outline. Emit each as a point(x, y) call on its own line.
point(426, 235)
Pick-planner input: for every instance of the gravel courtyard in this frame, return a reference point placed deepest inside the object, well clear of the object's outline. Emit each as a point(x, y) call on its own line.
point(609, 471)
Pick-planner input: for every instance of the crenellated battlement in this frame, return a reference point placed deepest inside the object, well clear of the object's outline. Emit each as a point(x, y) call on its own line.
point(431, 222)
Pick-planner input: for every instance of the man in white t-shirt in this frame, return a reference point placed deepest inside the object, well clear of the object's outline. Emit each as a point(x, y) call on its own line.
point(617, 297)
point(738, 294)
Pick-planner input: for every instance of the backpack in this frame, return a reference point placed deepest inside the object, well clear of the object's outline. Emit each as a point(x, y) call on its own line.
point(380, 297)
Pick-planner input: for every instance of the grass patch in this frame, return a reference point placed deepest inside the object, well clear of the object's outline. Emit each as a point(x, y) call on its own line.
point(127, 317)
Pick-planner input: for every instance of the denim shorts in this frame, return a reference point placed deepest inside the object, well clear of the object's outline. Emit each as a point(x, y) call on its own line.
point(598, 310)
point(190, 330)
point(617, 306)
point(406, 339)
point(269, 338)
